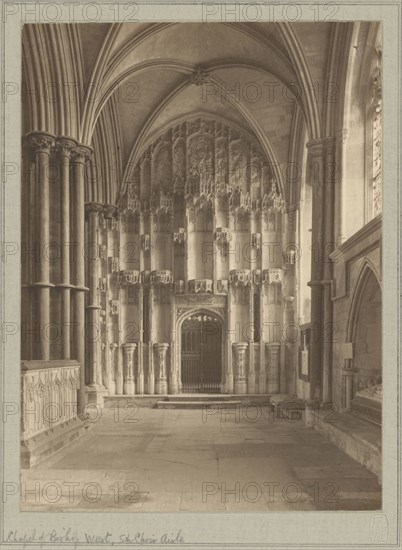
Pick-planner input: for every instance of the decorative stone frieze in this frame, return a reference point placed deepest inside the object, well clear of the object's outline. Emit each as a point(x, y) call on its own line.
point(129, 277)
point(161, 277)
point(200, 286)
point(240, 277)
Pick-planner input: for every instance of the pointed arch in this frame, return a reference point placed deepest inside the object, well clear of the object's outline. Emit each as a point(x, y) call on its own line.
point(367, 270)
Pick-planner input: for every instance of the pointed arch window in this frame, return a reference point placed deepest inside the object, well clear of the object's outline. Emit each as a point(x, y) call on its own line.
point(375, 140)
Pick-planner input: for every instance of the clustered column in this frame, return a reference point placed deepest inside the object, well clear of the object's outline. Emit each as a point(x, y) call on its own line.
point(61, 161)
point(93, 210)
point(42, 144)
point(322, 173)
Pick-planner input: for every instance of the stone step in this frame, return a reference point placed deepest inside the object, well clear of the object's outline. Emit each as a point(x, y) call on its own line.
point(355, 435)
point(150, 401)
point(216, 397)
point(197, 404)
point(367, 408)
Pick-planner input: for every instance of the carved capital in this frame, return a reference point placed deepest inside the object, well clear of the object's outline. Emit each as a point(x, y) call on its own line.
point(81, 153)
point(64, 146)
point(93, 208)
point(40, 141)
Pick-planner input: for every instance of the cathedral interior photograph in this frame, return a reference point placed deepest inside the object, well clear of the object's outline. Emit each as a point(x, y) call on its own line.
point(201, 287)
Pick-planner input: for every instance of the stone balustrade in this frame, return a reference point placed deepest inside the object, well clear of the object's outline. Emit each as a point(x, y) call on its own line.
point(49, 395)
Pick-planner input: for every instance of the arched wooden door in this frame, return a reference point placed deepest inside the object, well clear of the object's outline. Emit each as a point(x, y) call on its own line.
point(201, 354)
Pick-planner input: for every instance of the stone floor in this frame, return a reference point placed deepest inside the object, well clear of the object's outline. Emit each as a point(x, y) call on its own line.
point(152, 460)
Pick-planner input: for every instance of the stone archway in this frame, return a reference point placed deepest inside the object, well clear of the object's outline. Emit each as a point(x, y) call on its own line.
point(201, 352)
point(367, 343)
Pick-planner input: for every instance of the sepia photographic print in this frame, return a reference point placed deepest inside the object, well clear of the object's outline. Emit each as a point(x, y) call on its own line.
point(199, 277)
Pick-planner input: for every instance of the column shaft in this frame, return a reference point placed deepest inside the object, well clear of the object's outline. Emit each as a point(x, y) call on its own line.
point(65, 146)
point(78, 264)
point(92, 252)
point(42, 144)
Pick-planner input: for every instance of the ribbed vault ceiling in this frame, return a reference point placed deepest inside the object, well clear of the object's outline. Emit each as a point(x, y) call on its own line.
point(268, 78)
point(146, 69)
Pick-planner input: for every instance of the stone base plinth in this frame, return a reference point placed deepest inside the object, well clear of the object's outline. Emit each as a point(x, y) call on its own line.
point(240, 387)
point(46, 444)
point(96, 394)
point(161, 387)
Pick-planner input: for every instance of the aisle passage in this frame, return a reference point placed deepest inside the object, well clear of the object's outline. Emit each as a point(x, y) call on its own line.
point(187, 460)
